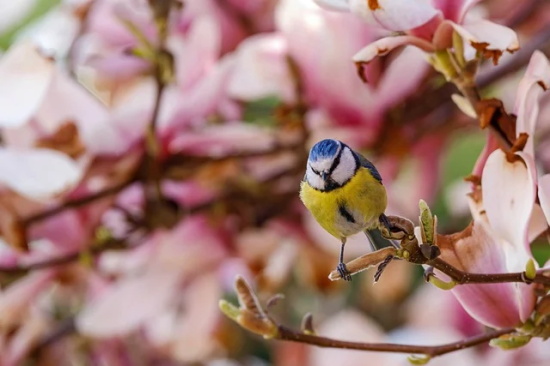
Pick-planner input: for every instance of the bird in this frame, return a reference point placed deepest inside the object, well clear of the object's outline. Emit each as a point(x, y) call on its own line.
point(344, 193)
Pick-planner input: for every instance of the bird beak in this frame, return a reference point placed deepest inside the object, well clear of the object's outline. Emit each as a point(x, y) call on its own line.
point(324, 176)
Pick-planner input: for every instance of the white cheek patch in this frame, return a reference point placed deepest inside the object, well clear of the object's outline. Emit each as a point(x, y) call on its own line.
point(314, 180)
point(346, 168)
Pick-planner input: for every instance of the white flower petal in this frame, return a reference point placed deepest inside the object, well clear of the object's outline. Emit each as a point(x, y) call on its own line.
point(395, 15)
point(508, 196)
point(12, 12)
point(336, 5)
point(25, 76)
point(37, 173)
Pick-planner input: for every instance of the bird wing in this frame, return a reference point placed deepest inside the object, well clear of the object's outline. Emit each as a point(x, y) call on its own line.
point(365, 163)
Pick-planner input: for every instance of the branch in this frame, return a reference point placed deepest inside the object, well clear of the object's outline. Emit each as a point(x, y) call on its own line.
point(251, 316)
point(461, 277)
point(287, 334)
point(75, 203)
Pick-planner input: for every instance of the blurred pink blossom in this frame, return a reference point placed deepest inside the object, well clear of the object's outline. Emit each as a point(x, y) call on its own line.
point(428, 25)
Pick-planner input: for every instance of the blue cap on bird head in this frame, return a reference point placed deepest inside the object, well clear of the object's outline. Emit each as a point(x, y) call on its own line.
point(324, 149)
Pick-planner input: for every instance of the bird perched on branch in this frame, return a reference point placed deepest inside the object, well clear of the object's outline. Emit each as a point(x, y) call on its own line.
point(344, 193)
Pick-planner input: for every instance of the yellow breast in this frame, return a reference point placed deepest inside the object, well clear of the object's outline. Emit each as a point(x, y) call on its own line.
point(349, 209)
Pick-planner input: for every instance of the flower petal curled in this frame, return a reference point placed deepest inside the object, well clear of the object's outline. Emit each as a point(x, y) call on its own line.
point(534, 82)
point(384, 45)
point(489, 38)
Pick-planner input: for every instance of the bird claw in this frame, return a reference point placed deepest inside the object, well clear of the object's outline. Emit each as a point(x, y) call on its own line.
point(343, 272)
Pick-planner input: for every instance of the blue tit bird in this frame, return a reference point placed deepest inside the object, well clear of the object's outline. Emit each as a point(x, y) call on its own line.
point(344, 193)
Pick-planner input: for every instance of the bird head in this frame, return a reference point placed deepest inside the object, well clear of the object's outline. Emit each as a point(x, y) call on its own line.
point(330, 165)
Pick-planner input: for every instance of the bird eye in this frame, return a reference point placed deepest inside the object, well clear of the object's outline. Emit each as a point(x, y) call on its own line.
point(315, 171)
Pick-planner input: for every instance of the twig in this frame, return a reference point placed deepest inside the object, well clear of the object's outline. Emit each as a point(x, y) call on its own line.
point(251, 316)
point(461, 277)
point(288, 334)
point(75, 203)
point(65, 328)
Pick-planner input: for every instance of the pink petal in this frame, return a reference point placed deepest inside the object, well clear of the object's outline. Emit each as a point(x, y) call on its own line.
point(351, 326)
point(38, 173)
point(69, 101)
point(397, 81)
point(192, 339)
point(197, 52)
point(534, 82)
point(454, 10)
point(225, 139)
point(384, 45)
point(26, 76)
point(395, 15)
point(322, 43)
point(24, 338)
point(262, 70)
point(494, 305)
point(16, 299)
point(128, 303)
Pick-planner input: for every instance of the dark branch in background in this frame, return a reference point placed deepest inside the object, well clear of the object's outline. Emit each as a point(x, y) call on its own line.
point(162, 64)
point(64, 329)
point(75, 203)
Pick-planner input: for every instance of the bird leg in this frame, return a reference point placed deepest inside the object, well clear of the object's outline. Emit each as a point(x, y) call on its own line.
point(341, 268)
point(391, 231)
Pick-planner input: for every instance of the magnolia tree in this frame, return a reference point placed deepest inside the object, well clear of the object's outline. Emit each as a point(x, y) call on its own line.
point(152, 151)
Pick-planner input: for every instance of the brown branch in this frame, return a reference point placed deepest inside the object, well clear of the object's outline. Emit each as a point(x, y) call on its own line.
point(461, 277)
point(75, 203)
point(288, 334)
point(251, 316)
point(64, 329)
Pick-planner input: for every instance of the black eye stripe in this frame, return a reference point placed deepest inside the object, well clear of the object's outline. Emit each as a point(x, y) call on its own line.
point(336, 161)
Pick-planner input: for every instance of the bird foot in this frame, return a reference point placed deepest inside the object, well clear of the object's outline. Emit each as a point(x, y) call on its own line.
point(343, 272)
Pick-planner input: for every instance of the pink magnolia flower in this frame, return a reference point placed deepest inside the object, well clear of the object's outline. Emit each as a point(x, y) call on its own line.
point(506, 217)
point(171, 271)
point(320, 43)
point(428, 25)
